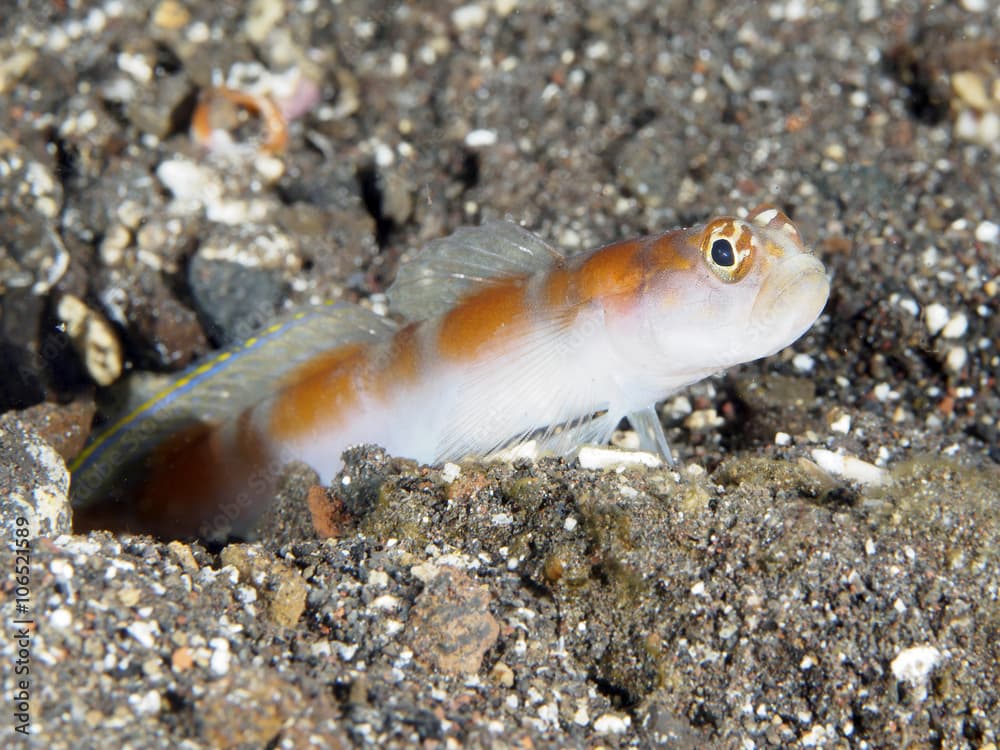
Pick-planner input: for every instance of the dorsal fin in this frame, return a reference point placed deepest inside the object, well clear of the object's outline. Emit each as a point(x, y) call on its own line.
point(219, 388)
point(452, 267)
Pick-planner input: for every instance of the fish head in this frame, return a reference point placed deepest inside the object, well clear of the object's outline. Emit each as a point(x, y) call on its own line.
point(750, 288)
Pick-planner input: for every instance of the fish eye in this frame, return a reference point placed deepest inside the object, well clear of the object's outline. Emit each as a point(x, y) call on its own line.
point(727, 245)
point(723, 254)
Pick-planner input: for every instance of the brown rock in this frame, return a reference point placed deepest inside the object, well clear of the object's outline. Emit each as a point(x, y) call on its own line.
point(278, 584)
point(64, 427)
point(451, 626)
point(328, 513)
point(255, 708)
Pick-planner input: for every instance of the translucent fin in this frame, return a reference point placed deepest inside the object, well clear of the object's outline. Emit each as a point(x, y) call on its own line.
point(558, 440)
point(452, 267)
point(647, 425)
point(509, 398)
point(218, 389)
point(562, 440)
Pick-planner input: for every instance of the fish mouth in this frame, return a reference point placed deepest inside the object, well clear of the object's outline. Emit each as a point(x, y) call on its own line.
point(791, 298)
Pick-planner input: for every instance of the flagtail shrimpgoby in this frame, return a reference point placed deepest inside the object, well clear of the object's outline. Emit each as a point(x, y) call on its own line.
point(503, 339)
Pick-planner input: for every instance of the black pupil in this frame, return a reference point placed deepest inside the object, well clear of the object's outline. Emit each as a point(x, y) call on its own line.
point(722, 253)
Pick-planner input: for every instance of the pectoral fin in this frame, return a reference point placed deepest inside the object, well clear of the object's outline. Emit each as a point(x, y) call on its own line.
point(647, 425)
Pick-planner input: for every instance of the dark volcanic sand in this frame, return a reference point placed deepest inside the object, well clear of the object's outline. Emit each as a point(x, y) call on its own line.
point(748, 599)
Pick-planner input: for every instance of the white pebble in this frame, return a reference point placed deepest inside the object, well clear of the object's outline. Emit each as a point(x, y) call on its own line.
point(910, 305)
point(782, 438)
point(593, 457)
point(935, 317)
point(221, 656)
point(803, 363)
point(384, 155)
point(450, 472)
point(611, 724)
point(61, 619)
point(386, 603)
point(703, 419)
point(815, 737)
point(398, 64)
point(468, 17)
point(914, 666)
point(678, 408)
point(956, 327)
point(480, 137)
point(956, 358)
point(598, 50)
point(842, 424)
point(987, 231)
point(884, 392)
point(850, 467)
point(505, 7)
point(147, 704)
point(143, 633)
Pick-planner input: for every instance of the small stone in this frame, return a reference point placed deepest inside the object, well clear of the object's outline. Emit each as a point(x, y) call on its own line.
point(803, 363)
point(956, 358)
point(594, 457)
point(397, 196)
point(183, 554)
point(254, 707)
point(451, 626)
point(502, 675)
point(914, 665)
point(327, 512)
point(956, 327)
point(288, 601)
point(34, 484)
point(262, 16)
point(612, 724)
point(840, 422)
point(61, 619)
point(469, 17)
point(279, 584)
point(146, 704)
point(63, 426)
point(93, 338)
point(171, 15)
point(237, 278)
point(935, 317)
point(129, 596)
point(156, 109)
point(678, 408)
point(182, 659)
point(850, 468)
point(450, 472)
point(143, 632)
point(987, 231)
point(480, 138)
point(703, 419)
point(971, 89)
point(221, 656)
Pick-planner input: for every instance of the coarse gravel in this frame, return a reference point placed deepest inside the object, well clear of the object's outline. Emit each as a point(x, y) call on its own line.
point(820, 570)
